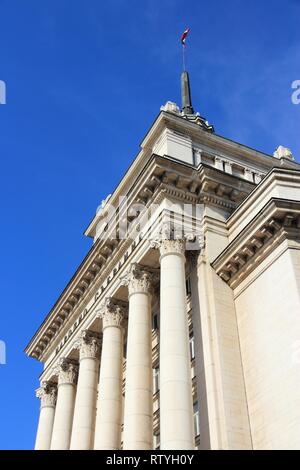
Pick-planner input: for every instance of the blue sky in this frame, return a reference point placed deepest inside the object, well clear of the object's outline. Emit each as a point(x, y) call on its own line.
point(85, 79)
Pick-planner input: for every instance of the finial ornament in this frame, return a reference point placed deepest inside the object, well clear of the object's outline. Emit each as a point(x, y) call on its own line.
point(283, 152)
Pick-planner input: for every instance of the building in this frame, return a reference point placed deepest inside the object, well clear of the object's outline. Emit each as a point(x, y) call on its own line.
point(180, 329)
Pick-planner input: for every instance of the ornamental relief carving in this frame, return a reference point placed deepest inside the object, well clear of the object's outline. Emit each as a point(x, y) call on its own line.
point(171, 246)
point(67, 371)
point(175, 240)
point(89, 345)
point(112, 313)
point(139, 279)
point(47, 393)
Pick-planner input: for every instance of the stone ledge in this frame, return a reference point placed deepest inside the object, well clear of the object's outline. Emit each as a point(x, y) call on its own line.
point(278, 220)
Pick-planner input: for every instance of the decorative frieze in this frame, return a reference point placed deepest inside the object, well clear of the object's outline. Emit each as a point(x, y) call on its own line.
point(47, 393)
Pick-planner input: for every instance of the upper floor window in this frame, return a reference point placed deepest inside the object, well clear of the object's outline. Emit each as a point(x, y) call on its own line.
point(155, 322)
point(155, 372)
point(192, 347)
point(196, 419)
point(156, 440)
point(188, 286)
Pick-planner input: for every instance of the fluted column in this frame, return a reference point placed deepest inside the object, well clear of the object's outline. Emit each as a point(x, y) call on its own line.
point(62, 428)
point(85, 403)
point(176, 405)
point(109, 404)
point(138, 412)
point(47, 393)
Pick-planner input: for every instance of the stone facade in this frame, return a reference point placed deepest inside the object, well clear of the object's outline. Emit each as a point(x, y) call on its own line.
point(186, 337)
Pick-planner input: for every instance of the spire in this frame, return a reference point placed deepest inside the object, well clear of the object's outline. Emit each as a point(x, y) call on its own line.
point(187, 111)
point(186, 94)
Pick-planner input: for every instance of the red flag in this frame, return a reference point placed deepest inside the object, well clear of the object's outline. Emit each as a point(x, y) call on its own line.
point(184, 35)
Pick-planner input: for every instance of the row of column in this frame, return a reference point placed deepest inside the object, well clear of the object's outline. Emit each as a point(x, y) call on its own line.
point(72, 417)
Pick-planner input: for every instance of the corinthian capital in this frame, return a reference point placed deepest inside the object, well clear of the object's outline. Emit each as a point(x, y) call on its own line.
point(176, 246)
point(112, 312)
point(170, 240)
point(47, 393)
point(89, 345)
point(139, 279)
point(67, 371)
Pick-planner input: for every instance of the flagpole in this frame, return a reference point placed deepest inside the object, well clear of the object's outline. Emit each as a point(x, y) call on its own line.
point(183, 38)
point(183, 57)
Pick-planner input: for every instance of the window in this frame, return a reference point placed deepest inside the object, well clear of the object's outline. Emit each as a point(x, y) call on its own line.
point(155, 323)
point(155, 380)
point(156, 440)
point(192, 347)
point(188, 286)
point(196, 419)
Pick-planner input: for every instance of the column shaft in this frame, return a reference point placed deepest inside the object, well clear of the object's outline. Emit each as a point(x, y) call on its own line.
point(109, 405)
point(63, 419)
point(138, 412)
point(85, 404)
point(47, 394)
point(176, 406)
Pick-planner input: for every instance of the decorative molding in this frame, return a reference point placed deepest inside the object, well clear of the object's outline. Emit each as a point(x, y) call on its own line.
point(47, 393)
point(172, 240)
point(67, 371)
point(257, 241)
point(201, 185)
point(89, 345)
point(139, 279)
point(112, 313)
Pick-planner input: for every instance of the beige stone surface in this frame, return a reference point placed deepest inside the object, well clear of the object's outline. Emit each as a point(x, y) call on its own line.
point(269, 328)
point(109, 405)
point(85, 405)
point(138, 411)
point(242, 292)
point(176, 424)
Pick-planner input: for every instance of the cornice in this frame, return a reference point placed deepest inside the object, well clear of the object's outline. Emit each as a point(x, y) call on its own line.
point(277, 221)
point(277, 176)
point(162, 178)
point(216, 143)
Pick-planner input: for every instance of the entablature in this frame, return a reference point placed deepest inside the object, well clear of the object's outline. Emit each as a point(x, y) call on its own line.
point(163, 178)
point(277, 221)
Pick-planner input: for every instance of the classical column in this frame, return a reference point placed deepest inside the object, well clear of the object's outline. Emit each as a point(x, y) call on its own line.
point(176, 404)
point(109, 404)
point(62, 427)
point(85, 404)
point(138, 411)
point(47, 394)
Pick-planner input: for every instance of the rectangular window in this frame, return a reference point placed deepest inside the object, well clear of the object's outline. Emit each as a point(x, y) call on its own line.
point(192, 347)
point(188, 286)
point(155, 380)
point(156, 441)
point(155, 324)
point(196, 419)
